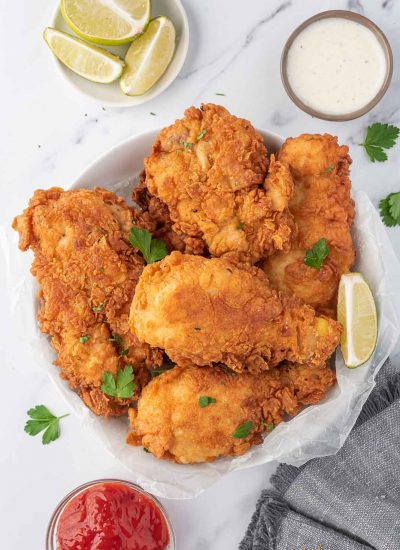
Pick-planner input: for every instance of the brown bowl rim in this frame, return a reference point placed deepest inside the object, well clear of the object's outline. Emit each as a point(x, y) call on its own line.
point(353, 16)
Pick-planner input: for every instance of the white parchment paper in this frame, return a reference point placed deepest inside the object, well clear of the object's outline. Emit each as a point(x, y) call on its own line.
point(317, 431)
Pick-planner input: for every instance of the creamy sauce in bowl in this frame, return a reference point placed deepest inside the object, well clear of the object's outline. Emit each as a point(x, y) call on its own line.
point(336, 66)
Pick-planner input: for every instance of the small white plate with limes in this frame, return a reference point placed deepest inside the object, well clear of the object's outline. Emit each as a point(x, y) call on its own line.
point(119, 53)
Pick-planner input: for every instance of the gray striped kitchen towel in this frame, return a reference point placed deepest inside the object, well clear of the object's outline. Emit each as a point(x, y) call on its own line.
point(349, 501)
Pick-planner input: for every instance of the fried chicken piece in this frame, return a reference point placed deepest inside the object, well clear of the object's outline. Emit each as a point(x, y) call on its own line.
point(171, 424)
point(206, 311)
point(208, 170)
point(87, 271)
point(322, 208)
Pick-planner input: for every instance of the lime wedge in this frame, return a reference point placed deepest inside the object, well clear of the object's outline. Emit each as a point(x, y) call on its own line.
point(148, 57)
point(84, 59)
point(357, 314)
point(108, 22)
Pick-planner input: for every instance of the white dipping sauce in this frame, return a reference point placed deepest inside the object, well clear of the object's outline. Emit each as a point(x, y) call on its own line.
point(336, 66)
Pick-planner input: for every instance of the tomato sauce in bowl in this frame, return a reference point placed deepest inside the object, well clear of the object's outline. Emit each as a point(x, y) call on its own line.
point(109, 515)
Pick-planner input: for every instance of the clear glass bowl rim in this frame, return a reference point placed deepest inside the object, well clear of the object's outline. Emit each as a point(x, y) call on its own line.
point(51, 535)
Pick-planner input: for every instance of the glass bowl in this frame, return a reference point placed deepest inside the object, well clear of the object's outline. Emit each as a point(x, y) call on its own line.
point(51, 536)
point(358, 19)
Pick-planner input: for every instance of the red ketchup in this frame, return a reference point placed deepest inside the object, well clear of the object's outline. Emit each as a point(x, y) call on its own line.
point(111, 516)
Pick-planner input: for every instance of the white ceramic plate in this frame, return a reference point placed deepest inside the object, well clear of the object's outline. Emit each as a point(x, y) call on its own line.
point(318, 430)
point(111, 94)
point(119, 168)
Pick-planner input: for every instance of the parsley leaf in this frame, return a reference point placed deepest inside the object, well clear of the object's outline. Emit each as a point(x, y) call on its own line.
point(205, 400)
point(240, 226)
point(43, 419)
point(186, 144)
point(326, 171)
point(243, 430)
point(394, 201)
point(123, 387)
point(153, 250)
point(84, 339)
point(117, 339)
point(158, 251)
point(316, 255)
point(161, 370)
point(379, 137)
point(124, 352)
point(98, 308)
point(201, 134)
point(390, 209)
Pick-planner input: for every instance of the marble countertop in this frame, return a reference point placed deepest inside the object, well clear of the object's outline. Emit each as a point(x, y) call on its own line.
point(49, 134)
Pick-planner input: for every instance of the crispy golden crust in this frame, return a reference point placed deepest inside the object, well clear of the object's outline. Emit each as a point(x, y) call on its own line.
point(322, 208)
point(83, 260)
point(206, 177)
point(206, 311)
point(171, 424)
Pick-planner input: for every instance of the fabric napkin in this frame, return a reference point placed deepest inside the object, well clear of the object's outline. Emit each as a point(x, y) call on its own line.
point(349, 501)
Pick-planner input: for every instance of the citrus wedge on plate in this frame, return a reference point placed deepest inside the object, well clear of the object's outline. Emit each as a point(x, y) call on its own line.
point(109, 22)
point(148, 57)
point(357, 314)
point(84, 59)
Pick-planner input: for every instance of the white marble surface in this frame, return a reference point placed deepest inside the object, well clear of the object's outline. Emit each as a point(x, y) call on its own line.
point(48, 136)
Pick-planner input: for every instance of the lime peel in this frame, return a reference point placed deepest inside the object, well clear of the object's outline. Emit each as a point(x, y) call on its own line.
point(357, 314)
point(86, 60)
point(148, 57)
point(107, 22)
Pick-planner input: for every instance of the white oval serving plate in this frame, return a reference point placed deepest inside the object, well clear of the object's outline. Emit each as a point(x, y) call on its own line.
point(111, 94)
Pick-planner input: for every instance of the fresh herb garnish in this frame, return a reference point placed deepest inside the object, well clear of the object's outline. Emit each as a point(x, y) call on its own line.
point(43, 419)
point(243, 430)
point(219, 93)
point(201, 134)
point(205, 400)
point(84, 339)
point(390, 209)
point(161, 370)
point(153, 114)
point(102, 269)
point(379, 137)
point(98, 308)
point(153, 250)
point(186, 144)
point(146, 450)
point(269, 426)
point(326, 171)
point(315, 256)
point(123, 387)
point(240, 226)
point(124, 352)
point(117, 339)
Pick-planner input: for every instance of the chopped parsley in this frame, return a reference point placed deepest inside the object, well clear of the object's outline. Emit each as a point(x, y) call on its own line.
point(201, 134)
point(316, 255)
point(240, 226)
point(205, 400)
point(98, 308)
point(243, 430)
point(84, 339)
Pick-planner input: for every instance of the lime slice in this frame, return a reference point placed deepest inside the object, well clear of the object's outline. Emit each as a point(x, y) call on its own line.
point(108, 22)
point(357, 314)
point(84, 59)
point(148, 57)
